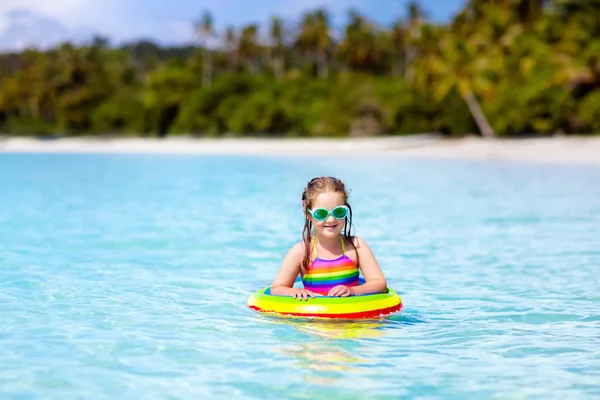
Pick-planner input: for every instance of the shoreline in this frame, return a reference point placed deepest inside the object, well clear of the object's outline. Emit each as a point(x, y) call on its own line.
point(580, 150)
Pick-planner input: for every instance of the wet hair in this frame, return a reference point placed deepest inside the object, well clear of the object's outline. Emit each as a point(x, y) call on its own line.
point(316, 186)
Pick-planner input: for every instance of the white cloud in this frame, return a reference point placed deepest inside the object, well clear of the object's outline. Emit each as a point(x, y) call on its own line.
point(59, 9)
point(43, 23)
point(73, 14)
point(22, 29)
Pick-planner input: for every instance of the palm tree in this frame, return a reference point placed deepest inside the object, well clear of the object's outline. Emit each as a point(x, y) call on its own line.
point(398, 39)
point(314, 39)
point(323, 42)
point(231, 46)
point(413, 34)
point(576, 54)
point(446, 62)
point(277, 47)
point(359, 49)
point(475, 10)
point(249, 49)
point(204, 31)
point(429, 65)
point(462, 68)
point(529, 11)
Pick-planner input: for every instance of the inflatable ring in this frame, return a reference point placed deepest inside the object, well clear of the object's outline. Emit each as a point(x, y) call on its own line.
point(352, 307)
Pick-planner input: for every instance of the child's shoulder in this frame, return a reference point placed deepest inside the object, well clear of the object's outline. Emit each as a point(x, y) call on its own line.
point(357, 241)
point(298, 249)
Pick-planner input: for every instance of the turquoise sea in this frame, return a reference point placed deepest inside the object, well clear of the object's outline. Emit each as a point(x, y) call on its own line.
point(126, 276)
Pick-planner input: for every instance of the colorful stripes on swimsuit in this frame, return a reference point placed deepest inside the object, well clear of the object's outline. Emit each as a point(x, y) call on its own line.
point(322, 275)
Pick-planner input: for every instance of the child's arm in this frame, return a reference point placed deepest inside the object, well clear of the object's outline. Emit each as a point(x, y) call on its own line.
point(374, 280)
point(290, 268)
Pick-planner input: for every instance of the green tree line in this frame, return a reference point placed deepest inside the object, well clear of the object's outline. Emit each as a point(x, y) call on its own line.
point(504, 67)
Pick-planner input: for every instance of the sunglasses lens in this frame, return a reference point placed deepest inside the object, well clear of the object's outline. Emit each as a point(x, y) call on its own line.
point(339, 212)
point(320, 214)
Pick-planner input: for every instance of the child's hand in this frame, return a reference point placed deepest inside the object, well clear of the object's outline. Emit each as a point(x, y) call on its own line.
point(339, 291)
point(303, 294)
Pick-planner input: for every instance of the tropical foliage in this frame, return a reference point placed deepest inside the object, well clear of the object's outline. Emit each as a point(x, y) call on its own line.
point(500, 67)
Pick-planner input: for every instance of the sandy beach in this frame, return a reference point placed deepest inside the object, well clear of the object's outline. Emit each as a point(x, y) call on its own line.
point(557, 149)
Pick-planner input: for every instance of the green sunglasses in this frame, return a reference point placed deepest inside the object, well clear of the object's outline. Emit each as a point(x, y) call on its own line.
point(321, 214)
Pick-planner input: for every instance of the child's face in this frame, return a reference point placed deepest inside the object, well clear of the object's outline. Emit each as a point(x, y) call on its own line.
point(330, 227)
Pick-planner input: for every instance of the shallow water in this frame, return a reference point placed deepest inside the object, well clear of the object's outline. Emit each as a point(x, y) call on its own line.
point(126, 276)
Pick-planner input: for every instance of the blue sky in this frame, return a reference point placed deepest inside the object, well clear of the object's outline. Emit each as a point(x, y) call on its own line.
point(43, 22)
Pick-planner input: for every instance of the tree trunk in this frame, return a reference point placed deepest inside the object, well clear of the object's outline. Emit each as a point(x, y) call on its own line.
point(278, 66)
point(482, 123)
point(411, 55)
point(398, 66)
point(233, 61)
point(34, 107)
point(322, 65)
point(252, 65)
point(206, 67)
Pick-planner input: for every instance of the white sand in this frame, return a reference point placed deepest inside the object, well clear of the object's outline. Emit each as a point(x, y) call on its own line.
point(557, 149)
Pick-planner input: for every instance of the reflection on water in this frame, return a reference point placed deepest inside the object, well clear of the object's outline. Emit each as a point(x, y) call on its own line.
point(340, 329)
point(329, 353)
point(322, 356)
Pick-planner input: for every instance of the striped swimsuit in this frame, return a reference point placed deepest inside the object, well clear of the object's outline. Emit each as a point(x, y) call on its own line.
point(322, 275)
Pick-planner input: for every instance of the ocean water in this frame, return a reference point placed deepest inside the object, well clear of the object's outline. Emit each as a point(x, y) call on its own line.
point(126, 276)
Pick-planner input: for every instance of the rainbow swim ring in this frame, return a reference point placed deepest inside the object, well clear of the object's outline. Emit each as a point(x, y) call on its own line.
point(353, 307)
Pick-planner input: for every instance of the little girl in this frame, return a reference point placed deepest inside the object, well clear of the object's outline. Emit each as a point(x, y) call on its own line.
point(328, 257)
